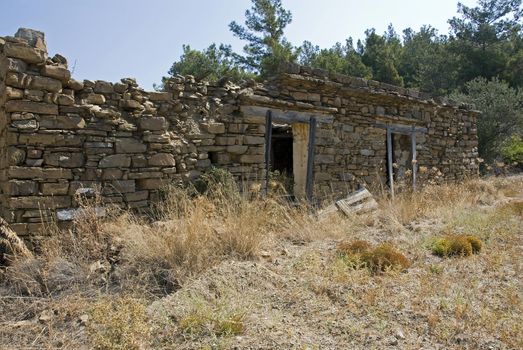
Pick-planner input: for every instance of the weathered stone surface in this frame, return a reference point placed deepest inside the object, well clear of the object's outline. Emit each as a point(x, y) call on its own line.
point(151, 184)
point(13, 94)
point(15, 172)
point(95, 99)
point(15, 65)
point(160, 96)
point(103, 87)
point(115, 161)
point(130, 104)
point(137, 196)
point(55, 188)
point(237, 149)
point(25, 125)
point(162, 159)
point(57, 72)
point(44, 83)
point(252, 158)
point(129, 145)
point(253, 140)
point(40, 202)
point(21, 188)
point(25, 53)
point(153, 123)
point(32, 107)
point(214, 128)
point(62, 122)
point(75, 85)
point(64, 160)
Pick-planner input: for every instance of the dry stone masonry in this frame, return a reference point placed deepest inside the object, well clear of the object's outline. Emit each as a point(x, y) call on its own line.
point(62, 139)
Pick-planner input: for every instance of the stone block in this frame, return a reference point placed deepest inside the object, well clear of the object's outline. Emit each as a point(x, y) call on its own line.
point(20, 188)
point(25, 52)
point(214, 128)
point(15, 65)
point(160, 96)
point(162, 160)
point(62, 122)
point(37, 202)
point(153, 123)
point(136, 196)
point(252, 158)
point(130, 145)
point(103, 87)
point(31, 107)
point(55, 188)
point(64, 159)
point(120, 187)
point(16, 172)
point(56, 72)
point(130, 104)
point(151, 184)
point(13, 93)
point(253, 140)
point(95, 99)
point(112, 174)
point(45, 83)
point(237, 149)
point(115, 161)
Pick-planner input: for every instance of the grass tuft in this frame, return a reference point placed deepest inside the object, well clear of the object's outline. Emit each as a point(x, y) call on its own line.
point(380, 258)
point(456, 245)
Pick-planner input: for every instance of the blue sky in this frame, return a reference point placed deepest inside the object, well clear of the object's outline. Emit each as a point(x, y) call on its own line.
point(112, 39)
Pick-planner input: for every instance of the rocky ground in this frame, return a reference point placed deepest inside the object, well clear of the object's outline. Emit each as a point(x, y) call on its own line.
point(298, 294)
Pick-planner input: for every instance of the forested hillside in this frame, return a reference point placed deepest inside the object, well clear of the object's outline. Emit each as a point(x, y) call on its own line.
point(479, 61)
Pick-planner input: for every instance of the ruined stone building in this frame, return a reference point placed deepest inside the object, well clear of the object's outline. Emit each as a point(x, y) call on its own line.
point(331, 133)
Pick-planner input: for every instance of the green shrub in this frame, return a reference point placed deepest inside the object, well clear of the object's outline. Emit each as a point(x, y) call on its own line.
point(512, 149)
point(456, 245)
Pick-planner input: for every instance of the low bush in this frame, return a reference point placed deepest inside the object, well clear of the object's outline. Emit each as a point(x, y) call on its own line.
point(456, 245)
point(382, 257)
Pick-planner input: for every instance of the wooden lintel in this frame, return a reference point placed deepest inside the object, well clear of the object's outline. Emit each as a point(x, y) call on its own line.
point(402, 129)
point(285, 116)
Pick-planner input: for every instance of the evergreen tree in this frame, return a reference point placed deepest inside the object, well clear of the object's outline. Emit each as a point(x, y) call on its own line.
point(264, 31)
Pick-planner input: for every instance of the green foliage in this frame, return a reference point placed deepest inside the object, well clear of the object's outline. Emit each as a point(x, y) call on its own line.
point(483, 37)
point(502, 114)
point(217, 183)
point(426, 63)
point(456, 245)
point(340, 58)
point(512, 149)
point(267, 48)
point(382, 53)
point(212, 63)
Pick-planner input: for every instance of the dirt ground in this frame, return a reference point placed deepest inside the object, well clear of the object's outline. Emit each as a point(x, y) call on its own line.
point(298, 294)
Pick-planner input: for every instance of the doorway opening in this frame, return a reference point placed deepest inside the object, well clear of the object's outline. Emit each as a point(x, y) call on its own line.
point(288, 157)
point(401, 158)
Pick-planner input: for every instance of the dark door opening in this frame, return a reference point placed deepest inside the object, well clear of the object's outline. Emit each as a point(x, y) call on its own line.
point(282, 156)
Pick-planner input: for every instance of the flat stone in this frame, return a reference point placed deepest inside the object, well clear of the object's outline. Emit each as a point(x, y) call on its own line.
point(31, 107)
point(20, 188)
point(45, 83)
point(37, 202)
point(16, 172)
point(57, 72)
point(214, 128)
point(137, 196)
point(13, 94)
point(55, 188)
point(252, 158)
point(115, 161)
point(25, 53)
point(130, 145)
point(160, 96)
point(95, 99)
point(25, 125)
point(162, 159)
point(151, 184)
point(65, 100)
point(130, 104)
point(153, 123)
point(103, 87)
point(367, 152)
point(75, 85)
point(15, 65)
point(64, 159)
point(120, 186)
point(253, 140)
point(62, 122)
point(237, 149)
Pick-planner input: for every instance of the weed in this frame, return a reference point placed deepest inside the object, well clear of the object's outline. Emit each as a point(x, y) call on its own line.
point(118, 323)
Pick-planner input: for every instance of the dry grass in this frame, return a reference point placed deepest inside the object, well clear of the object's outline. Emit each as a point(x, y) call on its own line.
point(257, 273)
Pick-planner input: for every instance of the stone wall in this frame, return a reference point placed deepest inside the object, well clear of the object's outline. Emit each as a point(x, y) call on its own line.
point(62, 139)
